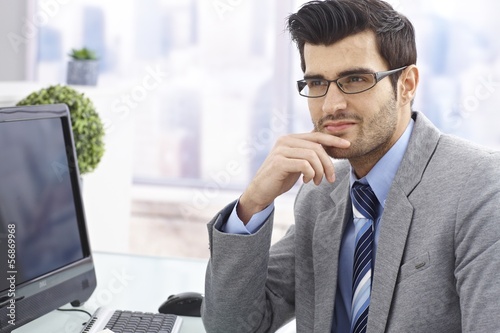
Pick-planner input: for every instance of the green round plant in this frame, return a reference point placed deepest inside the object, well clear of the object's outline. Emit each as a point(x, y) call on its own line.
point(88, 129)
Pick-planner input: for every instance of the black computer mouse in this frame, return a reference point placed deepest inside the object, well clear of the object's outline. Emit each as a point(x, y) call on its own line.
point(183, 304)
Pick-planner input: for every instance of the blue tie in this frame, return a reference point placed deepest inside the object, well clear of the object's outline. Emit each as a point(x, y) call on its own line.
point(365, 205)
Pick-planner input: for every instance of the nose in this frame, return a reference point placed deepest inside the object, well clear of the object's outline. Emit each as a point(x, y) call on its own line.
point(334, 99)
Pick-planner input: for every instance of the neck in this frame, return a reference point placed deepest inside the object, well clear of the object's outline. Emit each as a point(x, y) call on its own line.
point(363, 164)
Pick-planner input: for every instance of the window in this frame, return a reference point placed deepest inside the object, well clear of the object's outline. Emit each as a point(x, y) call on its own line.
point(221, 76)
point(212, 83)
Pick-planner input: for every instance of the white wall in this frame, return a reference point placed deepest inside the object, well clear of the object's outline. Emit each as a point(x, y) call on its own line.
point(17, 39)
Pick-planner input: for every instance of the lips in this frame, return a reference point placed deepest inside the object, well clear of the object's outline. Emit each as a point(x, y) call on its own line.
point(337, 126)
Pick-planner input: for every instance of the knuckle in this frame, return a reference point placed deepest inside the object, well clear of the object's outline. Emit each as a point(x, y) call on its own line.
point(303, 164)
point(281, 141)
point(277, 160)
point(306, 166)
point(318, 147)
point(310, 154)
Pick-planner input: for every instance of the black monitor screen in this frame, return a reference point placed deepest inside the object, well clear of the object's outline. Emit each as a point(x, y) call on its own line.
point(37, 209)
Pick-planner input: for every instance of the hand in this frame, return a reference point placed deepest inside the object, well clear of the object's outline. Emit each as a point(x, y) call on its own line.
point(292, 156)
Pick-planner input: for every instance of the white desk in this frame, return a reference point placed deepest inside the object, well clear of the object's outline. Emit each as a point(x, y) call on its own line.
point(129, 282)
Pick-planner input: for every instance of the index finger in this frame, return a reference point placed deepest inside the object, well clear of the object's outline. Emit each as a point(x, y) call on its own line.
point(324, 139)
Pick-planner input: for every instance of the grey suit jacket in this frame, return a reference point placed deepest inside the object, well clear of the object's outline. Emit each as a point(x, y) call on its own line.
point(438, 257)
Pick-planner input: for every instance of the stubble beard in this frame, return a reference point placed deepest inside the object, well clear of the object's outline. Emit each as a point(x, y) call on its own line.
point(373, 137)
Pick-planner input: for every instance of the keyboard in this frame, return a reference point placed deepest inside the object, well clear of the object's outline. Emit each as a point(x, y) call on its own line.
point(120, 321)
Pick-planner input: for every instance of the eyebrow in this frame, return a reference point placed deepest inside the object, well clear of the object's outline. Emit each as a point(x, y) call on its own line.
point(350, 71)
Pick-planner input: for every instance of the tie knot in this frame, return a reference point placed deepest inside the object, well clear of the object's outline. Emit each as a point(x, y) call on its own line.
point(364, 200)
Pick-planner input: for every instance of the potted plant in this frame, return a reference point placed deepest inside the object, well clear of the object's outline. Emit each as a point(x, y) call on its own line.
point(83, 68)
point(88, 129)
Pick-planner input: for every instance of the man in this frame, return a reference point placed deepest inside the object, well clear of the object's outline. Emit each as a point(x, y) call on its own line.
point(400, 234)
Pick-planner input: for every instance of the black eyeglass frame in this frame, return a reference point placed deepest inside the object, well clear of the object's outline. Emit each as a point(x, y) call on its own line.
point(377, 75)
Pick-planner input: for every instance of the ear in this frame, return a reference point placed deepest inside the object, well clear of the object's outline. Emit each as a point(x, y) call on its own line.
point(408, 82)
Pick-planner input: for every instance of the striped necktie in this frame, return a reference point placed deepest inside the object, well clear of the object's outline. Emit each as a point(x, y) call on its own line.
point(365, 206)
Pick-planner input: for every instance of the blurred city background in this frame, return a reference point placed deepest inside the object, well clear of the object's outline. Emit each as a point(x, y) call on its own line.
point(210, 84)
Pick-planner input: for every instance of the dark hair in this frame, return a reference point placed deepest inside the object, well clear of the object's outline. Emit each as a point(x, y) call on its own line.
point(329, 21)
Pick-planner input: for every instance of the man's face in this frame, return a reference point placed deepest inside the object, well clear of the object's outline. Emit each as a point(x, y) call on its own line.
point(370, 120)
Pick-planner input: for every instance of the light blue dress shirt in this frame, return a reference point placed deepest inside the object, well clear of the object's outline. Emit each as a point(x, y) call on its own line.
point(380, 179)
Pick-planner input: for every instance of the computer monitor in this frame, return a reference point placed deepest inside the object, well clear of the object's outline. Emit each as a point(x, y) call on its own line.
point(45, 256)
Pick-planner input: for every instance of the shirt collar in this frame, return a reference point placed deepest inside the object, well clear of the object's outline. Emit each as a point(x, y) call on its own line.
point(382, 174)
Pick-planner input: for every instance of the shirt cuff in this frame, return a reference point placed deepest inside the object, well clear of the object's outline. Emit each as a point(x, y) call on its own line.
point(235, 226)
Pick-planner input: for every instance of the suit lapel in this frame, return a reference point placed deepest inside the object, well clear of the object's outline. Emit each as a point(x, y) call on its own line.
point(393, 234)
point(396, 220)
point(326, 246)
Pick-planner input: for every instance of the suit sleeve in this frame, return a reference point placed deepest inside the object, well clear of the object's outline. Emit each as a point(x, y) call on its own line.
point(477, 239)
point(248, 287)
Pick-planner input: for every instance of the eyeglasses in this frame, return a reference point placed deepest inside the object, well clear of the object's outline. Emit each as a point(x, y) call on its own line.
point(349, 84)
